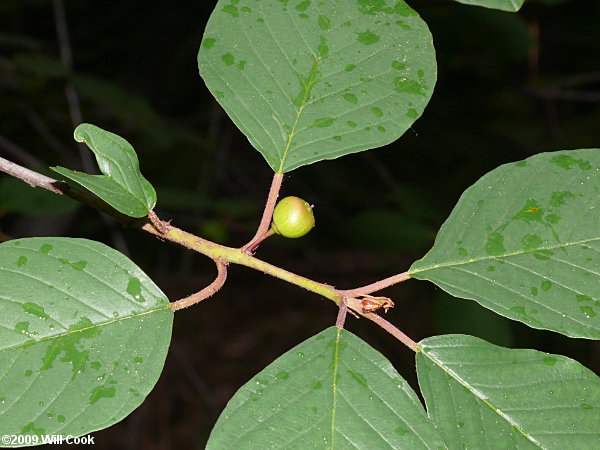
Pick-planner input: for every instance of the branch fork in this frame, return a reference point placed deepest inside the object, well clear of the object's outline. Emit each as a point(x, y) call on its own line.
point(358, 301)
point(264, 230)
point(208, 291)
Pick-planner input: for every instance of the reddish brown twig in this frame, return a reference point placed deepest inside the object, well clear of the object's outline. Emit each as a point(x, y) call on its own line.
point(265, 222)
point(377, 286)
point(209, 290)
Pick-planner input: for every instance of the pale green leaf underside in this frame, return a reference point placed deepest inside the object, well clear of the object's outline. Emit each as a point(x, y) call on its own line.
point(332, 391)
point(311, 80)
point(504, 5)
point(122, 185)
point(83, 336)
point(524, 241)
point(483, 396)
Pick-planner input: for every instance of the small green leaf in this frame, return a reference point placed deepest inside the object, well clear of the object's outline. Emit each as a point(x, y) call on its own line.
point(332, 391)
point(483, 396)
point(504, 5)
point(319, 80)
point(83, 338)
point(122, 186)
point(524, 241)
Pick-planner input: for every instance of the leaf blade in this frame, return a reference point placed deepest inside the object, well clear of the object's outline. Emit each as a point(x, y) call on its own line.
point(122, 185)
point(295, 402)
point(84, 335)
point(287, 77)
point(523, 240)
point(503, 5)
point(477, 391)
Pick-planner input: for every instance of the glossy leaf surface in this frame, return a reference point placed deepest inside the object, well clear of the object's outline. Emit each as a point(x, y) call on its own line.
point(83, 336)
point(332, 391)
point(308, 80)
point(483, 396)
point(524, 241)
point(122, 185)
point(504, 5)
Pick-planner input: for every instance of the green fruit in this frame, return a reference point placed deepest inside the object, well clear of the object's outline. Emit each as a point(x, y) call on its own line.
point(293, 217)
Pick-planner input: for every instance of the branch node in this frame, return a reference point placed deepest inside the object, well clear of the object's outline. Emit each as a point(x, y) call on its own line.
point(377, 286)
point(161, 227)
point(341, 317)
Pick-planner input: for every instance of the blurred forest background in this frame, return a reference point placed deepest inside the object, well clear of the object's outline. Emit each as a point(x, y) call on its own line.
point(509, 86)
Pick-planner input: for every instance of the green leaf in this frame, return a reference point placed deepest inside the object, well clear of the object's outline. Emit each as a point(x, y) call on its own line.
point(524, 241)
point(332, 391)
point(122, 186)
point(83, 336)
point(483, 396)
point(504, 5)
point(308, 80)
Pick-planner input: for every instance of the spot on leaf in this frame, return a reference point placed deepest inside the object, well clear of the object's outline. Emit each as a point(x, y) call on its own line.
point(403, 84)
point(377, 111)
point(367, 38)
point(567, 162)
point(303, 6)
point(323, 122)
point(101, 392)
point(351, 98)
point(559, 198)
point(324, 23)
point(228, 59)
point(35, 310)
point(495, 244)
point(208, 43)
point(231, 9)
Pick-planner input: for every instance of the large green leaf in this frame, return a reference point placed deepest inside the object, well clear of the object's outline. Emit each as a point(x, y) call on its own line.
point(524, 241)
point(311, 80)
point(505, 5)
point(483, 396)
point(122, 186)
point(83, 336)
point(332, 391)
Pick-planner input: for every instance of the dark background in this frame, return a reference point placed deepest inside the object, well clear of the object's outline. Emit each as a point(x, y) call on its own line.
point(509, 86)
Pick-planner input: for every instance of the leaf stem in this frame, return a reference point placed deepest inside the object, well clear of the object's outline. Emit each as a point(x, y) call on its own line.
point(387, 326)
point(238, 256)
point(341, 317)
point(377, 286)
point(265, 222)
point(352, 300)
point(35, 179)
point(158, 224)
point(207, 291)
point(251, 248)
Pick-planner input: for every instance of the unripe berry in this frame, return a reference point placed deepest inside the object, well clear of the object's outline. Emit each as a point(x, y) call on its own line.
point(293, 217)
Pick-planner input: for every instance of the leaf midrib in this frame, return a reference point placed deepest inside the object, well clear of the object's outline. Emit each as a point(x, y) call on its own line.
point(506, 255)
point(480, 397)
point(67, 332)
point(336, 364)
point(311, 83)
